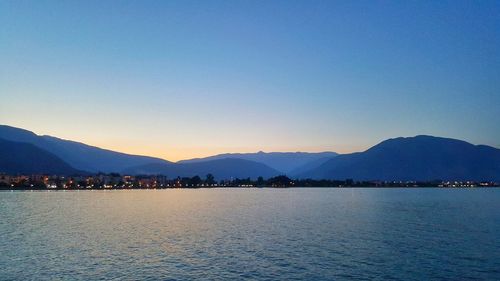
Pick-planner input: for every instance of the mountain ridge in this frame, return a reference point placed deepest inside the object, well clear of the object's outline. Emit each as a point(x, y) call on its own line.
point(79, 155)
point(421, 157)
point(25, 158)
point(220, 168)
point(285, 162)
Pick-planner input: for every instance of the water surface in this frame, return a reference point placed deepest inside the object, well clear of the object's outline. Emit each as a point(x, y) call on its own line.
point(263, 234)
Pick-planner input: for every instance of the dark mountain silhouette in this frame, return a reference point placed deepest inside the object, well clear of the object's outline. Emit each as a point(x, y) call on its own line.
point(78, 155)
point(414, 158)
point(285, 162)
point(221, 169)
point(26, 159)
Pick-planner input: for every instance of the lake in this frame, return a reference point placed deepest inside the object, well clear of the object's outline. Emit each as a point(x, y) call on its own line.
point(262, 234)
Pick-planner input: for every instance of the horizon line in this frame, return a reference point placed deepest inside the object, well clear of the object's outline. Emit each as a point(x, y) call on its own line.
point(237, 152)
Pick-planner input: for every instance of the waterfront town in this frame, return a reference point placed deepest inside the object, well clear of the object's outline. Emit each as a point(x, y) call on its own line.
point(117, 181)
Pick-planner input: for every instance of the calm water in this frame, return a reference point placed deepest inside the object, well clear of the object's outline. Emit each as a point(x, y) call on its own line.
point(287, 234)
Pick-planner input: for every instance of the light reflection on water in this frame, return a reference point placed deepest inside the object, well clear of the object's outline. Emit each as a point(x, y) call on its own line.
point(287, 234)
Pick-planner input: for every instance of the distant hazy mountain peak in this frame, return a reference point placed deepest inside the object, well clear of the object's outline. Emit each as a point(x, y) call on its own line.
point(285, 162)
point(224, 168)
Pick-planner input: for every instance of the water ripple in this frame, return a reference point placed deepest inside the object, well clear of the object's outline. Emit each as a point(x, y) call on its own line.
point(251, 234)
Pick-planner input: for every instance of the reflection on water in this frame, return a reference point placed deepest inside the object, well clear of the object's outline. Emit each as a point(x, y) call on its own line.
point(251, 234)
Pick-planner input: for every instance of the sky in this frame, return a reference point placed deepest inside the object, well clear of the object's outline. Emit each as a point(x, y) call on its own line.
point(184, 79)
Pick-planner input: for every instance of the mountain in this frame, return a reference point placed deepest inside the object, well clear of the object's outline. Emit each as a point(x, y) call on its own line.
point(220, 168)
point(414, 158)
point(308, 166)
point(25, 158)
point(285, 162)
point(78, 155)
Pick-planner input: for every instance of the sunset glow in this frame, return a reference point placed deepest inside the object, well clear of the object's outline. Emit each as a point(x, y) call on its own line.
point(181, 79)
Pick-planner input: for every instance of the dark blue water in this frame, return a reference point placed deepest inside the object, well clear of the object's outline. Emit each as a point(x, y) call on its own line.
point(262, 234)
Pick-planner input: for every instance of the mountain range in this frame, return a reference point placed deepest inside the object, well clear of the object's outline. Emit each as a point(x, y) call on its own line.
point(91, 159)
point(78, 155)
point(224, 168)
point(410, 158)
point(285, 162)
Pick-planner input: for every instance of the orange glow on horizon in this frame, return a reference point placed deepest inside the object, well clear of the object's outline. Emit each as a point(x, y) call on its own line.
point(184, 153)
point(173, 150)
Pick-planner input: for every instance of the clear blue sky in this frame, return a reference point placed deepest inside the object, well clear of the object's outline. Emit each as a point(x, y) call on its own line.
point(178, 79)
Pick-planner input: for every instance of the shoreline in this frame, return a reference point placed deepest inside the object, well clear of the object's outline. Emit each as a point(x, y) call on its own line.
point(243, 188)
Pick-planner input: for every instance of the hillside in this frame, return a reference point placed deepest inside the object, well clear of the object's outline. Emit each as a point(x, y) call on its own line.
point(221, 169)
point(24, 158)
point(78, 155)
point(414, 158)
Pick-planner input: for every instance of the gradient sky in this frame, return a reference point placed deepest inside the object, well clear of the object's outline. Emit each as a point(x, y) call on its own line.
point(181, 79)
